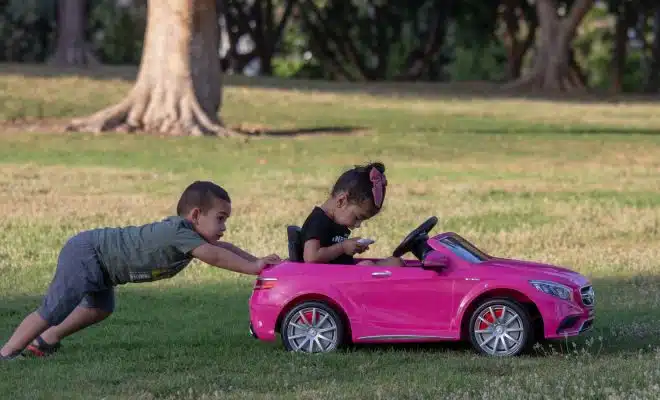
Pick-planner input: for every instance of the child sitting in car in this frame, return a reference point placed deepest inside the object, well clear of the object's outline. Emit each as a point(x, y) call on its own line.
point(356, 196)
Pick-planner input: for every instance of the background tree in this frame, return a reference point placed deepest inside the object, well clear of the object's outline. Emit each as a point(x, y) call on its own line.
point(72, 47)
point(518, 34)
point(373, 39)
point(554, 68)
point(178, 90)
point(263, 21)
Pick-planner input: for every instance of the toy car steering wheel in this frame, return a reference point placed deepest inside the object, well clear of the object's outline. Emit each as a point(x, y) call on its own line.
point(419, 233)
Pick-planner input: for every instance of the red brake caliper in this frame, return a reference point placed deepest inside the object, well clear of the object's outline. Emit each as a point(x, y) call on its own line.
point(307, 320)
point(489, 317)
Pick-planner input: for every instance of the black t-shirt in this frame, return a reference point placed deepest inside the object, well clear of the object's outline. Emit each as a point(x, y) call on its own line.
point(319, 226)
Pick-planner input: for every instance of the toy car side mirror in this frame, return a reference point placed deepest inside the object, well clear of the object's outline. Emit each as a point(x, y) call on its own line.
point(436, 262)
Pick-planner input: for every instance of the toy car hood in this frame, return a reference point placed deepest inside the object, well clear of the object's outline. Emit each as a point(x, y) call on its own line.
point(537, 270)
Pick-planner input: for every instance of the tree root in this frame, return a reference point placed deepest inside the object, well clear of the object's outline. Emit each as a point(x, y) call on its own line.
point(75, 56)
point(540, 80)
point(163, 114)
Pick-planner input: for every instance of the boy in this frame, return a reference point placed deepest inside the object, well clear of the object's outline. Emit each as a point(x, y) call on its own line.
point(92, 262)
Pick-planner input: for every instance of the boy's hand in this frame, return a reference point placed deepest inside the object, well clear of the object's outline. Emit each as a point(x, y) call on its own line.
point(261, 263)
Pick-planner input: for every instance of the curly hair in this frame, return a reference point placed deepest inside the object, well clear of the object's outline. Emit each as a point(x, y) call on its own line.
point(359, 185)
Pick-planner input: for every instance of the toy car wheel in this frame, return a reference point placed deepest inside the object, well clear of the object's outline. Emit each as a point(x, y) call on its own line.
point(501, 327)
point(312, 327)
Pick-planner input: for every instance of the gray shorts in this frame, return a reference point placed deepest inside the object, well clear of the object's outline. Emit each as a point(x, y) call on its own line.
point(79, 281)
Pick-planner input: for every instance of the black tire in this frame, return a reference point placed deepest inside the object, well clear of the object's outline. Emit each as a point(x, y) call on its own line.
point(325, 341)
point(521, 334)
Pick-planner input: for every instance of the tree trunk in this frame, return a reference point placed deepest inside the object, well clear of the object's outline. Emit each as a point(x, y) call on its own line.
point(72, 49)
point(653, 79)
point(552, 69)
point(620, 48)
point(513, 12)
point(178, 90)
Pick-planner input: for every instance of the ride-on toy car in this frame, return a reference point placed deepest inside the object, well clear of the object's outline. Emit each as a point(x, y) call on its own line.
point(452, 292)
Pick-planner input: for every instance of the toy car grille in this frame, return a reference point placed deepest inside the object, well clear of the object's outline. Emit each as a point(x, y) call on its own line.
point(587, 294)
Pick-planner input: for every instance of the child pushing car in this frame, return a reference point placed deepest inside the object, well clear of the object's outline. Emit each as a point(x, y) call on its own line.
point(93, 262)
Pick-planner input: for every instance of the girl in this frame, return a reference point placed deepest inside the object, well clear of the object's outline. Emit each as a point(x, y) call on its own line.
point(357, 196)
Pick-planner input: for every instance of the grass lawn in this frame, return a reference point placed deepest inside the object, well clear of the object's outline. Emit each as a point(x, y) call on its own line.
point(574, 184)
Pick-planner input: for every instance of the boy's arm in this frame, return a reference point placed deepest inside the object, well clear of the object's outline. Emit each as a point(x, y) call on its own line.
point(223, 258)
point(236, 250)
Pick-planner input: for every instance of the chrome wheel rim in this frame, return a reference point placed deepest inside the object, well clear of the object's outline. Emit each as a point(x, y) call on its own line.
point(312, 330)
point(499, 331)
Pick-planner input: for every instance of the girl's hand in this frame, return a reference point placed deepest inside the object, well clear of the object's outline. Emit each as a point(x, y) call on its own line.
point(351, 246)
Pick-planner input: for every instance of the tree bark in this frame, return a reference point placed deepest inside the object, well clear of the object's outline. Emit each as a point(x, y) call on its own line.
point(178, 90)
point(419, 60)
point(513, 12)
point(258, 20)
point(72, 48)
point(552, 69)
point(653, 79)
point(620, 47)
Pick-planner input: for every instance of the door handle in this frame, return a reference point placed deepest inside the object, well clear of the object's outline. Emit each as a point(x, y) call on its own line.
point(381, 274)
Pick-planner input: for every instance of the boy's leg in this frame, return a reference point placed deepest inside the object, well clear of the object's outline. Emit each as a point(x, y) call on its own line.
point(77, 273)
point(61, 298)
point(94, 308)
point(30, 328)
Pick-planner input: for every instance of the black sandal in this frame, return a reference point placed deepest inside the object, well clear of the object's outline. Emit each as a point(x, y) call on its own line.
point(14, 356)
point(43, 349)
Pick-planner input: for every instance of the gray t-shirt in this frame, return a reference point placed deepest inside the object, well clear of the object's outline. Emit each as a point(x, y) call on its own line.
point(146, 253)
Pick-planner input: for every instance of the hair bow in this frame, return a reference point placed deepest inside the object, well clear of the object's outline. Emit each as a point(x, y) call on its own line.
point(379, 182)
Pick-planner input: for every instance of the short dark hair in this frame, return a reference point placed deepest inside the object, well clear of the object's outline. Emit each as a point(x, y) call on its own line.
point(200, 194)
point(357, 183)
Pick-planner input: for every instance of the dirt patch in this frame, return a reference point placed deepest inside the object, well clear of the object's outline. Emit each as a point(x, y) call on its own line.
point(59, 126)
point(41, 125)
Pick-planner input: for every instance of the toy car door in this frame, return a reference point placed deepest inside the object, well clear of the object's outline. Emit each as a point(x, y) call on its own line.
point(405, 303)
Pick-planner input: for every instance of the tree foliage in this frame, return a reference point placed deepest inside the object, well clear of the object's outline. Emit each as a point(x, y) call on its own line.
point(613, 45)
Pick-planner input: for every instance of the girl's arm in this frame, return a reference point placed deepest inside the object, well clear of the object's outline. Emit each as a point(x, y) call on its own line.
point(314, 253)
point(236, 250)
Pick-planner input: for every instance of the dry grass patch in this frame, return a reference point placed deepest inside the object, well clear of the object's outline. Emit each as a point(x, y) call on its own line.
point(588, 203)
point(57, 193)
point(68, 96)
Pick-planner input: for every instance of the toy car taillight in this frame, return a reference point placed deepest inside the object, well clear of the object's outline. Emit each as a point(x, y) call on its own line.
point(264, 283)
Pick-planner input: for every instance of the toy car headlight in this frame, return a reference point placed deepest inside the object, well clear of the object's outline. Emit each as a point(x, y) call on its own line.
point(553, 289)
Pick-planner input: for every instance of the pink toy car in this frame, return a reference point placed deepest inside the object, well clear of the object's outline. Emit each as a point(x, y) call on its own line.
point(452, 292)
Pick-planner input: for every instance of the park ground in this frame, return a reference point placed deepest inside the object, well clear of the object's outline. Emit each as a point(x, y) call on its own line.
point(571, 183)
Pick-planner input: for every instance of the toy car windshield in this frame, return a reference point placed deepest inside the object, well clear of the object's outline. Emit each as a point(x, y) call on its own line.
point(463, 248)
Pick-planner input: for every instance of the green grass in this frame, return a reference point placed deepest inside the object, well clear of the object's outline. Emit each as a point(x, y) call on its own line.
point(574, 184)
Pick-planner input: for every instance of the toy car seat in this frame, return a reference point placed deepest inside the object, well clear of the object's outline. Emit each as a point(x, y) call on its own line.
point(295, 247)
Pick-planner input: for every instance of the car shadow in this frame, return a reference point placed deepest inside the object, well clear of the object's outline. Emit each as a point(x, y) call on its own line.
point(436, 347)
point(627, 320)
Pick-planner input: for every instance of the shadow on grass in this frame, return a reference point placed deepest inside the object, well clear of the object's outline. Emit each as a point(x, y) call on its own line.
point(627, 320)
point(321, 130)
point(572, 129)
point(466, 124)
point(454, 90)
